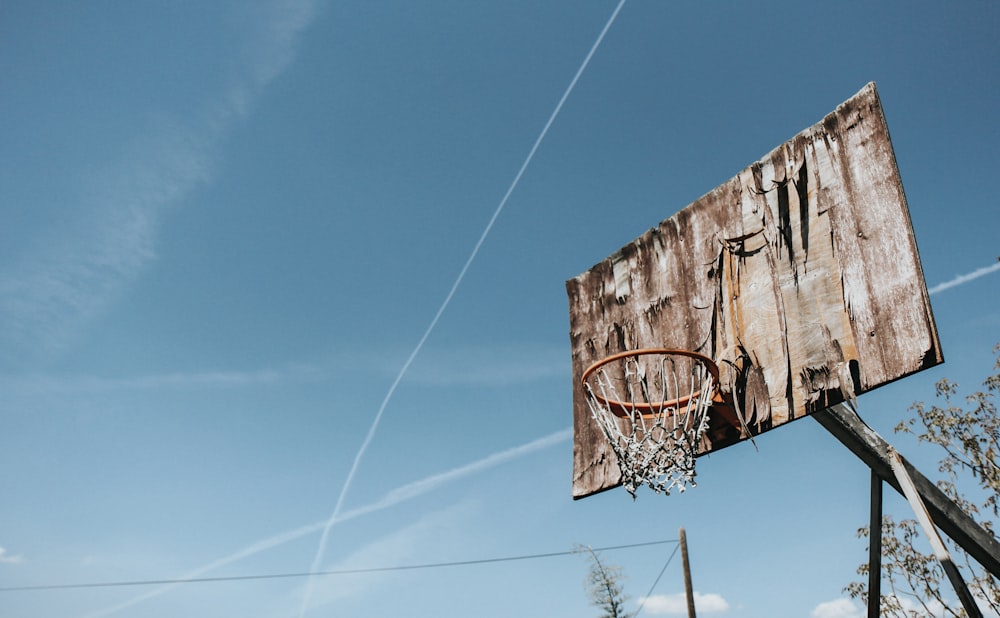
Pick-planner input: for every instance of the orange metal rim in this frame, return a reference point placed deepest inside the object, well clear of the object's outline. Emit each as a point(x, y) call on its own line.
point(620, 408)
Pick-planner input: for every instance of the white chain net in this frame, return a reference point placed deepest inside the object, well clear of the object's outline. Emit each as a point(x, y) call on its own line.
point(662, 416)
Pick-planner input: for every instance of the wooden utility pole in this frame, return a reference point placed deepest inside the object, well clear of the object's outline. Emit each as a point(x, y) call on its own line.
point(688, 590)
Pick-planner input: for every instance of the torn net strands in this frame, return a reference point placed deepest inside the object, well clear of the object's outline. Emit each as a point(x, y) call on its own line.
point(666, 407)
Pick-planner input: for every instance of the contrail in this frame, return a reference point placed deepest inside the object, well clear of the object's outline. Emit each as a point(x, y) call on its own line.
point(255, 548)
point(321, 549)
point(959, 280)
point(392, 498)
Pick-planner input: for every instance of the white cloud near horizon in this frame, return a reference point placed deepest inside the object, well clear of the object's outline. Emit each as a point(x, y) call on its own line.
point(671, 604)
point(77, 269)
point(838, 608)
point(392, 498)
point(845, 608)
point(962, 279)
point(6, 558)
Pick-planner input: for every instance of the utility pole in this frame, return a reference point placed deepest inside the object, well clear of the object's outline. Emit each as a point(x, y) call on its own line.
point(688, 591)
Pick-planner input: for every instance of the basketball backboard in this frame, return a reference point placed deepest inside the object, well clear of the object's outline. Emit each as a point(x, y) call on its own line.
point(799, 277)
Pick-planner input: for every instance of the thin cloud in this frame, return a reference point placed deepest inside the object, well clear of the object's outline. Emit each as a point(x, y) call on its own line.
point(392, 498)
point(75, 271)
point(490, 366)
point(6, 558)
point(274, 32)
point(402, 545)
point(283, 23)
point(417, 488)
point(670, 604)
point(474, 366)
point(962, 279)
point(179, 380)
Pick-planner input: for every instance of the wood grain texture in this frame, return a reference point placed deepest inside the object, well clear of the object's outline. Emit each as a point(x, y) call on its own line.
point(799, 275)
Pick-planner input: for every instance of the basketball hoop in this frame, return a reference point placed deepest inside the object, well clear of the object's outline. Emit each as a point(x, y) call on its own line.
point(652, 407)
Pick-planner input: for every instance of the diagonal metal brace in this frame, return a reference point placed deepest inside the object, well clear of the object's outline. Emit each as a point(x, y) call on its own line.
point(872, 449)
point(940, 551)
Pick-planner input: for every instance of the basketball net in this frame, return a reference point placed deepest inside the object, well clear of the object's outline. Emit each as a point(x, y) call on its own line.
point(654, 416)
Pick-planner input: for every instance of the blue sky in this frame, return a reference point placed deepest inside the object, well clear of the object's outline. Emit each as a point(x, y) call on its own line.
point(227, 227)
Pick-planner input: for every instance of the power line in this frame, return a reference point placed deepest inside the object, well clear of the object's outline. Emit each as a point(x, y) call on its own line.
point(407, 567)
point(657, 581)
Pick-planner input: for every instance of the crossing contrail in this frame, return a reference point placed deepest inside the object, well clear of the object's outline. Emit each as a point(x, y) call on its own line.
point(349, 479)
point(396, 496)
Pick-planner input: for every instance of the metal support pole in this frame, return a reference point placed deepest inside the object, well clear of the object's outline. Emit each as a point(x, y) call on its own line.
point(875, 548)
point(847, 427)
point(940, 551)
point(688, 589)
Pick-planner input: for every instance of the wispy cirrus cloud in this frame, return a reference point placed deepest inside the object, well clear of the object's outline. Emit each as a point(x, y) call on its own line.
point(74, 384)
point(70, 274)
point(475, 366)
point(77, 268)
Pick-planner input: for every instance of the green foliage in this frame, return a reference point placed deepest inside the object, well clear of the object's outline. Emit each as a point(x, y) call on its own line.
point(604, 586)
point(969, 434)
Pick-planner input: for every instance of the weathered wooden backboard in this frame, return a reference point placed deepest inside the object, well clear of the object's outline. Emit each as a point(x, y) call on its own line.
point(799, 277)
